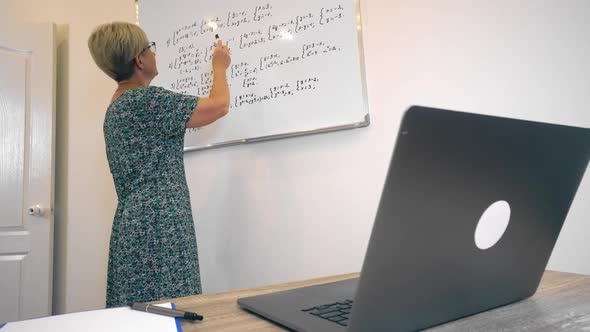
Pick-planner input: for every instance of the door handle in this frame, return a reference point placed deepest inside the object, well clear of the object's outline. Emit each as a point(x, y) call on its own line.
point(35, 210)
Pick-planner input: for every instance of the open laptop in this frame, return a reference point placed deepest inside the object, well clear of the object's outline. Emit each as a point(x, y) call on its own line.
point(470, 211)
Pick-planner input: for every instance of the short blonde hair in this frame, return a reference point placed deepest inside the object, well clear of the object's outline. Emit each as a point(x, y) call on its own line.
point(114, 46)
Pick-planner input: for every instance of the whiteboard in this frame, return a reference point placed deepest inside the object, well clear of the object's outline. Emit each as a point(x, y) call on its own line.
point(297, 66)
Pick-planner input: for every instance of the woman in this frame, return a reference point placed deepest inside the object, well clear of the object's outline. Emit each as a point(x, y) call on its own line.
point(153, 248)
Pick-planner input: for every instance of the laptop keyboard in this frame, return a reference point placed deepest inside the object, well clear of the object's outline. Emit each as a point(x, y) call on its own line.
point(337, 312)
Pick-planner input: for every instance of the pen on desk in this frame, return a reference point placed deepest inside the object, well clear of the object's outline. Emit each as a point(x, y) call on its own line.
point(165, 311)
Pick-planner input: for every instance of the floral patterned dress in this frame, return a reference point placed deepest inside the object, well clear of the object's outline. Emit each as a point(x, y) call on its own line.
point(153, 249)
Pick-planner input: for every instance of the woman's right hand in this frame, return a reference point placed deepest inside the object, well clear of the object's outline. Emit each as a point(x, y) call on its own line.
point(211, 108)
point(221, 58)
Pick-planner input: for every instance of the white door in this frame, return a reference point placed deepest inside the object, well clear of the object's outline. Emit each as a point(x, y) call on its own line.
point(27, 121)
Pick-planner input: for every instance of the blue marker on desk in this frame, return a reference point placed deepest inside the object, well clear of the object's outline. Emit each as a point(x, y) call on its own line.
point(154, 309)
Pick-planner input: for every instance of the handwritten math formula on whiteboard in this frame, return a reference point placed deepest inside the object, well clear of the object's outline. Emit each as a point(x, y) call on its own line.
point(297, 67)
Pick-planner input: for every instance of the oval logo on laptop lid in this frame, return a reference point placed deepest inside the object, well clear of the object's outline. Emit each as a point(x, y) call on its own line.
point(492, 225)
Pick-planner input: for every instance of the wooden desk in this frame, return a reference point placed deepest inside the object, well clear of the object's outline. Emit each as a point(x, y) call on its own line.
point(562, 303)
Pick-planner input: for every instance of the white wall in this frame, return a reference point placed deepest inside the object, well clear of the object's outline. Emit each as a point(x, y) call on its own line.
point(264, 211)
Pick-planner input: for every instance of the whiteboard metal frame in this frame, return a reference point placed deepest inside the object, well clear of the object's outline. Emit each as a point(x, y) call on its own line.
point(364, 123)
